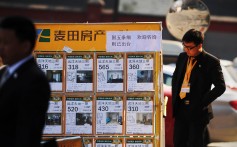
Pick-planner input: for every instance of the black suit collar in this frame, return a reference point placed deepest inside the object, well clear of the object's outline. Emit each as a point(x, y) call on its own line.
point(19, 71)
point(25, 65)
point(198, 57)
point(20, 68)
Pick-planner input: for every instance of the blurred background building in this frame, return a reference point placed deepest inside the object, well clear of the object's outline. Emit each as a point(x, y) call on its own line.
point(220, 39)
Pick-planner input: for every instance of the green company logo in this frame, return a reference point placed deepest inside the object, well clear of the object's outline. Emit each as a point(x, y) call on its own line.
point(43, 35)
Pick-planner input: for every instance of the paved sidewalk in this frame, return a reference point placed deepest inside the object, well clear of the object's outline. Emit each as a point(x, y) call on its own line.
point(223, 144)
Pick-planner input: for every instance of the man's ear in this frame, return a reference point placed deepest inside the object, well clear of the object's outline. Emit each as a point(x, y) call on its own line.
point(26, 47)
point(200, 45)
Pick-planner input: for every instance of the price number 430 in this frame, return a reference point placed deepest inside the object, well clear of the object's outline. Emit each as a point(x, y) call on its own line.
point(103, 108)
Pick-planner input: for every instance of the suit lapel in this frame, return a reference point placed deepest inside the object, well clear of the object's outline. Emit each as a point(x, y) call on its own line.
point(18, 72)
point(183, 65)
point(2, 72)
point(24, 66)
point(196, 72)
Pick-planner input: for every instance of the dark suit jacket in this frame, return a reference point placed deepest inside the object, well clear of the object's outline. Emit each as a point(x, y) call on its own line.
point(207, 71)
point(23, 104)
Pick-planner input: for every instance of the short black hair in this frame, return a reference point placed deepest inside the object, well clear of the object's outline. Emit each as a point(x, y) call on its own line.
point(193, 35)
point(23, 27)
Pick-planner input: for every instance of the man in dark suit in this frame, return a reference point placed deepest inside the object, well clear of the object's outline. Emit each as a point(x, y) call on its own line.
point(195, 73)
point(24, 88)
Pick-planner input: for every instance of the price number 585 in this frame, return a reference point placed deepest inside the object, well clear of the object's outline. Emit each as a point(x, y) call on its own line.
point(104, 66)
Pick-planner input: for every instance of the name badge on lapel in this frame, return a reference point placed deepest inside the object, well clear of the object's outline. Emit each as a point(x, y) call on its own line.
point(185, 88)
